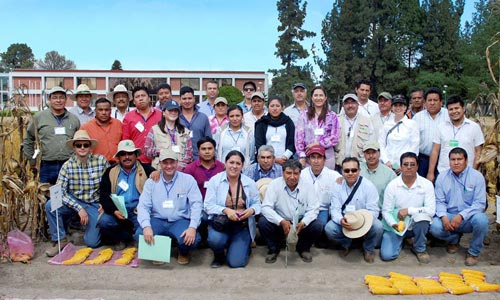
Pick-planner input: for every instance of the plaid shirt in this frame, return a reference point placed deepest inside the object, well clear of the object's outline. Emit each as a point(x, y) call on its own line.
point(80, 181)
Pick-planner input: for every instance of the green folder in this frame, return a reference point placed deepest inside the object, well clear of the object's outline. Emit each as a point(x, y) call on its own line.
point(390, 228)
point(160, 251)
point(119, 202)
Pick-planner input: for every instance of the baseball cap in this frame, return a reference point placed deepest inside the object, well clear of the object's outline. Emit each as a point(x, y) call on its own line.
point(258, 94)
point(299, 84)
point(171, 105)
point(318, 149)
point(371, 145)
point(219, 100)
point(385, 95)
point(167, 153)
point(350, 96)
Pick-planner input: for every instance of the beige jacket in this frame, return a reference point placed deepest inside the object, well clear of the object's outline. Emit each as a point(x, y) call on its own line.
point(363, 134)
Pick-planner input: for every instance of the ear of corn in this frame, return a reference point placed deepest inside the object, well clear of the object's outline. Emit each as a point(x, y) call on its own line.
point(127, 256)
point(104, 256)
point(79, 257)
point(401, 226)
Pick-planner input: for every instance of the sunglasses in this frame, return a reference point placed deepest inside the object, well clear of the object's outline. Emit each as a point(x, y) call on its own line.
point(409, 164)
point(249, 89)
point(347, 171)
point(80, 145)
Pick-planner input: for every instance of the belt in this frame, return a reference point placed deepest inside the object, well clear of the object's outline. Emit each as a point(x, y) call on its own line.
point(53, 162)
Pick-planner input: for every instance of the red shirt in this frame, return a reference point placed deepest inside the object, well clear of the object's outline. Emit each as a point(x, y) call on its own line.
point(108, 137)
point(201, 175)
point(136, 128)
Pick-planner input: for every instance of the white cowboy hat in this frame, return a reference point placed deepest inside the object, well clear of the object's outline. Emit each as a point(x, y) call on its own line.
point(82, 89)
point(81, 135)
point(262, 187)
point(119, 89)
point(360, 221)
point(127, 146)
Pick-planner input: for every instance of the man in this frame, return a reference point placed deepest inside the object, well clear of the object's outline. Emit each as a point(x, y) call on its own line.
point(363, 89)
point(459, 131)
point(172, 207)
point(299, 93)
point(207, 106)
point(362, 204)
point(138, 122)
point(384, 115)
point(257, 111)
point(416, 102)
point(125, 179)
point(206, 166)
point(79, 179)
point(249, 88)
point(191, 118)
point(356, 130)
point(407, 196)
point(105, 129)
point(82, 110)
point(289, 208)
point(320, 178)
point(379, 174)
point(265, 167)
point(429, 121)
point(460, 204)
point(47, 133)
point(121, 97)
point(164, 93)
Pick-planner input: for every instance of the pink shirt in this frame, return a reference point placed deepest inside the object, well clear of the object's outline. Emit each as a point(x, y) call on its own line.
point(215, 125)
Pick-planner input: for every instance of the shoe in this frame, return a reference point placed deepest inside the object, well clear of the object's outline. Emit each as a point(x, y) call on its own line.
point(344, 252)
point(306, 256)
point(253, 244)
point(158, 263)
point(452, 248)
point(54, 250)
point(218, 261)
point(422, 257)
point(272, 257)
point(471, 260)
point(183, 259)
point(369, 257)
point(120, 246)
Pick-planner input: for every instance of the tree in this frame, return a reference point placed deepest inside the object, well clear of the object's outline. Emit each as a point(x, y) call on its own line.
point(55, 61)
point(17, 56)
point(117, 65)
point(283, 80)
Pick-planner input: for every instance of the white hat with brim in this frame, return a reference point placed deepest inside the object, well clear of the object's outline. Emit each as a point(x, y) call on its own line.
point(168, 153)
point(82, 89)
point(262, 187)
point(127, 146)
point(119, 89)
point(360, 220)
point(81, 135)
point(57, 89)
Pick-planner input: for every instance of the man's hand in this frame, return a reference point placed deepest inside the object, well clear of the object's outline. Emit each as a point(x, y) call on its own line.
point(431, 176)
point(149, 238)
point(345, 225)
point(280, 160)
point(446, 223)
point(155, 175)
point(299, 227)
point(456, 221)
point(189, 236)
point(302, 161)
point(84, 217)
point(118, 214)
point(286, 226)
point(402, 213)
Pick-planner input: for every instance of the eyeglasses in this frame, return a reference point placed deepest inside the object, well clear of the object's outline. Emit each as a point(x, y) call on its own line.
point(125, 153)
point(347, 171)
point(249, 89)
point(80, 145)
point(411, 165)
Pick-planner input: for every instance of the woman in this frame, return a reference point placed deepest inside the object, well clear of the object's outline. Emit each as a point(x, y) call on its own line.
point(169, 133)
point(231, 202)
point(276, 129)
point(219, 119)
point(399, 136)
point(317, 126)
point(235, 136)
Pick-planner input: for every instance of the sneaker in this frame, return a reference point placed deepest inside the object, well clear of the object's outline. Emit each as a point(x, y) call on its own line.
point(452, 248)
point(272, 257)
point(306, 256)
point(54, 249)
point(369, 257)
point(183, 259)
point(471, 260)
point(344, 252)
point(120, 246)
point(217, 262)
point(422, 257)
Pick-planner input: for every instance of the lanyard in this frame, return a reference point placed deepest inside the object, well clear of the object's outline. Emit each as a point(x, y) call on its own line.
point(351, 124)
point(59, 120)
point(365, 108)
point(171, 183)
point(172, 135)
point(465, 179)
point(232, 137)
point(233, 205)
point(458, 129)
point(313, 177)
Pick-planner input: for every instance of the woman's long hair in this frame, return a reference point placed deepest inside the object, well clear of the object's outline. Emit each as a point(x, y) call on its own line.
point(177, 124)
point(311, 111)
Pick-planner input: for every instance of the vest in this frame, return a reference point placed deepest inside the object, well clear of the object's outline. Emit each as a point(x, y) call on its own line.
point(163, 141)
point(140, 177)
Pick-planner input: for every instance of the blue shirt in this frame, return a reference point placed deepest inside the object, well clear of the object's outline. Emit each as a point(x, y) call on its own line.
point(464, 194)
point(206, 108)
point(428, 127)
point(174, 200)
point(199, 126)
point(255, 172)
point(131, 195)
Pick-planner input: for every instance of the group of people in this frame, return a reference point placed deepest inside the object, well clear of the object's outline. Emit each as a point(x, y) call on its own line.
point(382, 171)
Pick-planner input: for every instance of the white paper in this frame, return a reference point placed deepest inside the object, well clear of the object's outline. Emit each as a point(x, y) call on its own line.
point(55, 197)
point(498, 209)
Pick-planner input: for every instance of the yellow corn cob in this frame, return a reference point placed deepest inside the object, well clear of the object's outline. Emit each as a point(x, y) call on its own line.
point(399, 275)
point(473, 276)
point(409, 290)
point(384, 282)
point(79, 257)
point(470, 271)
point(401, 226)
point(444, 274)
point(460, 290)
point(127, 256)
point(383, 290)
point(104, 256)
point(486, 287)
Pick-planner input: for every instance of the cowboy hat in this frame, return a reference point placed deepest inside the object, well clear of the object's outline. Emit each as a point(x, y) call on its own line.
point(82, 89)
point(127, 146)
point(360, 221)
point(119, 89)
point(262, 187)
point(81, 135)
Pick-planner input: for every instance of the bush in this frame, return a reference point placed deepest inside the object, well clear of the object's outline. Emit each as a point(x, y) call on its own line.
point(231, 93)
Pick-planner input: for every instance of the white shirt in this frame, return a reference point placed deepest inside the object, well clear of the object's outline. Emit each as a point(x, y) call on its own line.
point(115, 113)
point(249, 119)
point(369, 109)
point(428, 127)
point(322, 184)
point(403, 138)
point(378, 122)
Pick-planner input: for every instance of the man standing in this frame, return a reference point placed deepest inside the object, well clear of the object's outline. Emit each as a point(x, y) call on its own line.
point(299, 93)
point(192, 119)
point(363, 89)
point(125, 179)
point(288, 207)
point(121, 97)
point(172, 207)
point(207, 106)
point(460, 204)
point(79, 179)
point(257, 111)
point(408, 196)
point(384, 115)
point(265, 167)
point(138, 122)
point(106, 130)
point(82, 110)
point(416, 102)
point(457, 132)
point(52, 127)
point(164, 93)
point(429, 121)
point(357, 197)
point(249, 88)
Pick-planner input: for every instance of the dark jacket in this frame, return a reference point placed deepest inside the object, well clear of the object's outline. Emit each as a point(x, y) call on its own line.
point(261, 128)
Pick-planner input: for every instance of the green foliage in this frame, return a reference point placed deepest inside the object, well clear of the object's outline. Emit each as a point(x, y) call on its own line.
point(117, 65)
point(283, 81)
point(17, 56)
point(55, 61)
point(231, 93)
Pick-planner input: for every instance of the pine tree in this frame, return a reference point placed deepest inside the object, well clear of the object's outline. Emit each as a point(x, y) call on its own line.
point(117, 65)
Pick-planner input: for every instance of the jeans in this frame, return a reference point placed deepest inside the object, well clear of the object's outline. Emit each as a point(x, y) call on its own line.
point(274, 235)
point(119, 230)
point(174, 230)
point(393, 243)
point(237, 241)
point(477, 224)
point(372, 237)
point(323, 216)
point(49, 171)
point(92, 236)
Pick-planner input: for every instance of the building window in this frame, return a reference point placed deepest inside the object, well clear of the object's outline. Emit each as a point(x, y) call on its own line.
point(51, 82)
point(91, 82)
point(194, 83)
point(4, 83)
point(130, 82)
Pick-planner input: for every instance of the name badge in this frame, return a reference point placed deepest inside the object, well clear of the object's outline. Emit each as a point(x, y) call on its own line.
point(205, 184)
point(319, 131)
point(59, 130)
point(453, 143)
point(168, 203)
point(176, 148)
point(191, 134)
point(237, 148)
point(350, 207)
point(139, 126)
point(123, 185)
point(276, 138)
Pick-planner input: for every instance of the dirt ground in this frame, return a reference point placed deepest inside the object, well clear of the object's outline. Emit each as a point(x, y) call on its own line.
point(327, 277)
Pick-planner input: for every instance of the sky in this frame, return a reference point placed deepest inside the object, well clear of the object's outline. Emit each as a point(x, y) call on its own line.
point(192, 35)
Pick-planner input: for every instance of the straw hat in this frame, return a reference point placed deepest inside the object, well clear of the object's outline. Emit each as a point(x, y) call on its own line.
point(361, 222)
point(82, 89)
point(119, 89)
point(262, 187)
point(81, 135)
point(127, 146)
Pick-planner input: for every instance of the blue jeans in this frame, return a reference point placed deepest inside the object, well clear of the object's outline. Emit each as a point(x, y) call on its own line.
point(393, 243)
point(477, 224)
point(174, 230)
point(92, 236)
point(372, 237)
point(119, 230)
point(50, 171)
point(323, 216)
point(237, 241)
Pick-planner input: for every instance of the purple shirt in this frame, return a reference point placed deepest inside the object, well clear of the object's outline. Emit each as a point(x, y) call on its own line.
point(202, 175)
point(305, 132)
